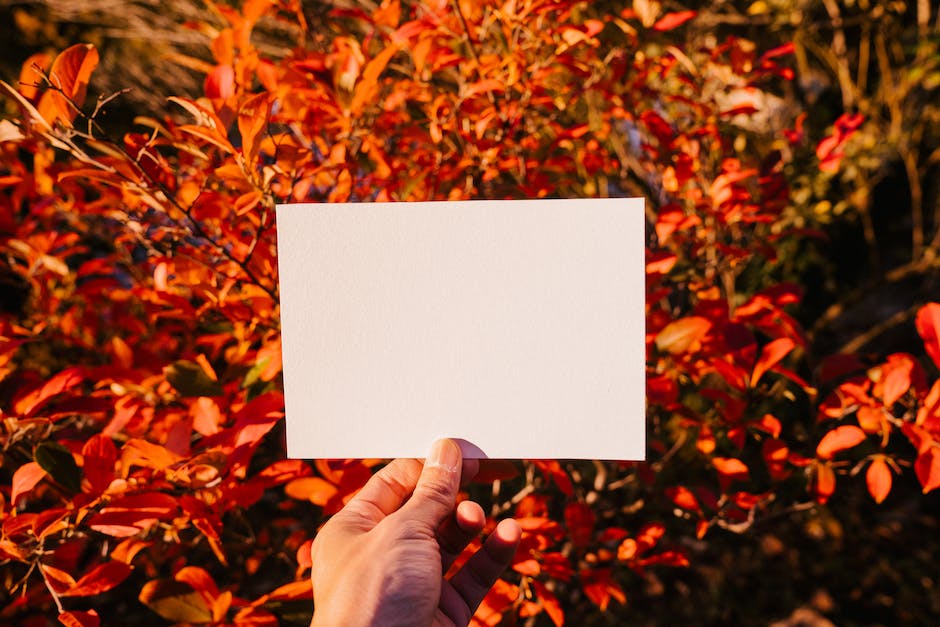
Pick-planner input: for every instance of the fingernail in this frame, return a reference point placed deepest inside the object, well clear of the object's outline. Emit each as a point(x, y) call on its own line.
point(445, 454)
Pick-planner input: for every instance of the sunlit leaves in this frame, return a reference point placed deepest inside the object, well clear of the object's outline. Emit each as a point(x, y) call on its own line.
point(141, 383)
point(683, 335)
point(770, 355)
point(878, 479)
point(25, 479)
point(839, 439)
point(100, 579)
point(175, 601)
point(68, 79)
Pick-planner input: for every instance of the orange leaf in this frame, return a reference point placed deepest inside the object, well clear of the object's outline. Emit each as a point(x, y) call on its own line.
point(252, 119)
point(824, 482)
point(684, 498)
point(770, 355)
point(839, 439)
point(368, 84)
point(31, 74)
point(673, 20)
point(101, 579)
point(294, 591)
point(25, 479)
point(69, 77)
point(730, 467)
point(928, 326)
point(313, 489)
point(499, 599)
point(59, 580)
point(683, 335)
point(878, 478)
point(142, 453)
point(896, 378)
point(549, 603)
point(927, 467)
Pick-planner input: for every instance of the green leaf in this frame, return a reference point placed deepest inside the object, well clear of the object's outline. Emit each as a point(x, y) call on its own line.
point(252, 377)
point(58, 461)
point(189, 379)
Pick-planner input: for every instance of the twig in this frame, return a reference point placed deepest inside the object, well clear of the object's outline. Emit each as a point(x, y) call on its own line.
point(927, 262)
point(195, 228)
point(856, 343)
point(473, 49)
point(55, 595)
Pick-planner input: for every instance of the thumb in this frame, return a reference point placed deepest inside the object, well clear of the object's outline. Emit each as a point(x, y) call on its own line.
point(435, 495)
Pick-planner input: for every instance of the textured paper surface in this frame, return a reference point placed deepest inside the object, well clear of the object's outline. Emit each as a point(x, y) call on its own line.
point(516, 326)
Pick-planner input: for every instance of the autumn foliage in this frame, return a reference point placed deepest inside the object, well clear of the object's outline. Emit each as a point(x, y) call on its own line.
point(143, 469)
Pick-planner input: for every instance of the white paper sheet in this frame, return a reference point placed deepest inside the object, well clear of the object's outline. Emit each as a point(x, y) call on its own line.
point(515, 326)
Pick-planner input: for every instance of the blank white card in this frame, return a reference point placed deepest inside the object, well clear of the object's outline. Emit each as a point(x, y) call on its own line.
point(516, 327)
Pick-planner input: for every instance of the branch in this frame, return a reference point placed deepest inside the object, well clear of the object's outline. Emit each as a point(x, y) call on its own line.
point(195, 227)
point(926, 263)
point(856, 343)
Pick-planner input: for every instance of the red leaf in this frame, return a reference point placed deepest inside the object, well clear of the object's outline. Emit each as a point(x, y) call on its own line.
point(99, 454)
point(101, 579)
point(551, 468)
point(927, 467)
point(25, 479)
point(928, 325)
point(131, 514)
point(220, 82)
point(683, 335)
point(839, 439)
point(673, 20)
point(878, 479)
point(770, 355)
point(62, 382)
point(59, 580)
point(580, 519)
point(496, 470)
point(779, 51)
point(76, 618)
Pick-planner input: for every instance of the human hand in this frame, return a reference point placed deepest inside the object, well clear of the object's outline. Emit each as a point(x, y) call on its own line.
point(381, 559)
